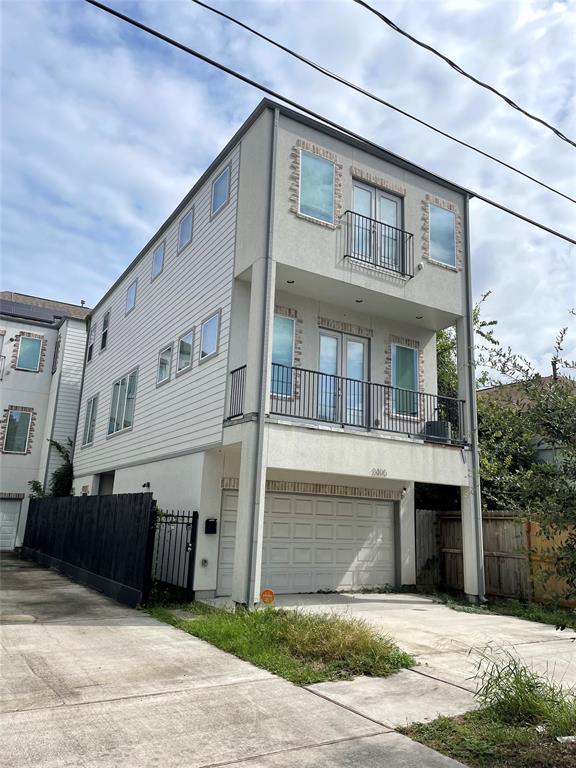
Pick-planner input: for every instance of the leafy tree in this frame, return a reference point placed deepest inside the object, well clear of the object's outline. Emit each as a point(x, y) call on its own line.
point(62, 477)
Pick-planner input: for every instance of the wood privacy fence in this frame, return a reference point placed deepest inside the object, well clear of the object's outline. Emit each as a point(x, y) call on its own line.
point(105, 542)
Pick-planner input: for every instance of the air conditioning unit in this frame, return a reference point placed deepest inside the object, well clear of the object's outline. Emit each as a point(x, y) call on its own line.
point(439, 430)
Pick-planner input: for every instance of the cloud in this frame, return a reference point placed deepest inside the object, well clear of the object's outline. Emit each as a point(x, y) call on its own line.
point(104, 130)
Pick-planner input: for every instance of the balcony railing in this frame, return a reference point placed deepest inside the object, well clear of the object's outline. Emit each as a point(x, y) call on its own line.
point(378, 245)
point(2, 364)
point(299, 393)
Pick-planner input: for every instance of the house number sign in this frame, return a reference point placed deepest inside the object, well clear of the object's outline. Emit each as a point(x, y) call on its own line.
point(378, 472)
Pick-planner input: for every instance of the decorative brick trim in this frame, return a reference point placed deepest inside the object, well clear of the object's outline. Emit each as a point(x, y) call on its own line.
point(16, 349)
point(404, 342)
point(318, 489)
point(14, 496)
point(458, 235)
point(294, 176)
point(384, 182)
point(4, 426)
point(338, 325)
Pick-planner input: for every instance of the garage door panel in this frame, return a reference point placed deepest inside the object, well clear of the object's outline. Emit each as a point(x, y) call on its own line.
point(324, 531)
point(303, 506)
point(345, 532)
point(303, 530)
point(302, 556)
point(278, 555)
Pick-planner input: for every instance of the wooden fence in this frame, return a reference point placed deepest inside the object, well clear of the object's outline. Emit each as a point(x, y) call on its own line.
point(105, 542)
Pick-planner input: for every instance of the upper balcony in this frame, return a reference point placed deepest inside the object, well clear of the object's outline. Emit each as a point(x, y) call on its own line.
point(377, 244)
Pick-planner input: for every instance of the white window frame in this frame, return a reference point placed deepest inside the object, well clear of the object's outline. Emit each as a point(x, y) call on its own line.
point(228, 170)
point(90, 419)
point(454, 266)
point(218, 315)
point(189, 366)
point(416, 354)
point(307, 215)
point(105, 329)
point(161, 246)
point(181, 246)
point(133, 284)
point(166, 347)
point(119, 381)
point(29, 338)
point(25, 451)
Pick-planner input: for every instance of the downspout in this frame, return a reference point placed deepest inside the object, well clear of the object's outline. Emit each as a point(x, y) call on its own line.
point(472, 409)
point(263, 393)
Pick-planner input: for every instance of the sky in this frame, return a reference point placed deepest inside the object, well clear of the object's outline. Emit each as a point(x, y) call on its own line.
point(104, 129)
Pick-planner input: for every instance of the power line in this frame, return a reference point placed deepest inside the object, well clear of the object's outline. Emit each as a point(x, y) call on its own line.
point(364, 92)
point(305, 110)
point(461, 71)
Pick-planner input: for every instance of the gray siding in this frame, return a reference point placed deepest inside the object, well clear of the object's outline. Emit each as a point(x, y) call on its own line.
point(186, 413)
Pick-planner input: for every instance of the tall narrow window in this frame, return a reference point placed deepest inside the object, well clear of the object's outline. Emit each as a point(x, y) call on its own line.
point(91, 337)
point(405, 380)
point(185, 344)
point(158, 260)
point(209, 337)
point(17, 431)
point(131, 296)
point(316, 187)
point(56, 354)
point(220, 191)
point(123, 399)
point(185, 229)
point(90, 420)
point(442, 235)
point(105, 325)
point(164, 365)
point(282, 355)
point(29, 352)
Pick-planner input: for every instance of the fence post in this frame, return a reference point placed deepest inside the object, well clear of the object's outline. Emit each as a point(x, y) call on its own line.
point(190, 593)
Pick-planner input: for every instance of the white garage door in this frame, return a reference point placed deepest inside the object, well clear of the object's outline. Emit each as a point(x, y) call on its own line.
point(315, 543)
point(9, 516)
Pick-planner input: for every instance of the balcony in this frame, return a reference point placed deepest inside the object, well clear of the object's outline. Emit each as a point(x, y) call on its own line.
point(301, 394)
point(378, 245)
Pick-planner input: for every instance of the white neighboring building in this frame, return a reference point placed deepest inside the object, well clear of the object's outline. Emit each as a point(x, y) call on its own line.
point(271, 362)
point(42, 344)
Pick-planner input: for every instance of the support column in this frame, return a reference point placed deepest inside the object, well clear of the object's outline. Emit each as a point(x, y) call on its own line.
point(407, 548)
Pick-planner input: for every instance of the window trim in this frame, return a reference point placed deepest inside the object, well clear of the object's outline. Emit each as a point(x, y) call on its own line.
point(56, 355)
point(180, 248)
point(331, 223)
point(30, 416)
point(18, 367)
point(161, 244)
point(124, 429)
point(93, 414)
point(105, 329)
point(416, 355)
point(133, 307)
point(293, 321)
point(191, 332)
point(160, 351)
point(226, 169)
point(453, 267)
point(218, 314)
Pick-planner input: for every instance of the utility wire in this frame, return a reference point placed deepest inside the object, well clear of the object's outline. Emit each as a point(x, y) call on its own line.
point(364, 92)
point(461, 71)
point(305, 110)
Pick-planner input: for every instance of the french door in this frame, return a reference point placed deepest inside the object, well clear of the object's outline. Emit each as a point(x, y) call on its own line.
point(376, 230)
point(343, 367)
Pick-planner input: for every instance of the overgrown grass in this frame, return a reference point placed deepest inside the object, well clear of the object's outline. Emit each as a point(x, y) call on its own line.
point(303, 648)
point(557, 616)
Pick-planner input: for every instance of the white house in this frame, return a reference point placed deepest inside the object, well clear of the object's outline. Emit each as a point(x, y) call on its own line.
point(41, 359)
point(270, 360)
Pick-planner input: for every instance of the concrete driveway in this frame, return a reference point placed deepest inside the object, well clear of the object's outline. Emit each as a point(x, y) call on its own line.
point(87, 683)
point(445, 643)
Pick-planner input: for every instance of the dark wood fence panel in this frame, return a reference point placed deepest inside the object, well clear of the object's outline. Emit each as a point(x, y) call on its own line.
point(105, 542)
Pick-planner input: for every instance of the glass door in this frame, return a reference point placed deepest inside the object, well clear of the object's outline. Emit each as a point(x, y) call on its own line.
point(355, 373)
point(376, 227)
point(343, 370)
point(328, 382)
point(362, 224)
point(389, 214)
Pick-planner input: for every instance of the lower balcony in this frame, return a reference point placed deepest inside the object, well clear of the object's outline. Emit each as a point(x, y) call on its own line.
point(313, 396)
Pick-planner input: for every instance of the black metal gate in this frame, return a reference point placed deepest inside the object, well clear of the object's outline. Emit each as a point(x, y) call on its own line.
point(175, 555)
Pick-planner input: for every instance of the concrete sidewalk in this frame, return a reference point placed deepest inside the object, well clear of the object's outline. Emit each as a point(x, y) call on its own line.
point(86, 683)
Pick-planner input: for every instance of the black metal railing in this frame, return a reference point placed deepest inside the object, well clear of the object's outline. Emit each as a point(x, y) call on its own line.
point(303, 394)
point(174, 554)
point(378, 245)
point(236, 396)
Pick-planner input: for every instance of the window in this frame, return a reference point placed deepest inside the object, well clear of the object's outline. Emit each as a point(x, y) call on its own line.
point(209, 337)
point(17, 431)
point(123, 399)
point(29, 351)
point(316, 187)
point(405, 379)
point(91, 337)
point(185, 345)
point(105, 325)
point(220, 191)
point(131, 296)
point(56, 354)
point(164, 365)
point(90, 420)
point(185, 229)
point(282, 355)
point(442, 235)
point(157, 260)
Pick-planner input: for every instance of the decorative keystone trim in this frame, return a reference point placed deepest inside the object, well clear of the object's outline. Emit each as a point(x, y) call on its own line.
point(318, 489)
point(2, 333)
point(403, 341)
point(458, 235)
point(294, 176)
point(4, 427)
point(14, 496)
point(338, 325)
point(384, 182)
point(16, 349)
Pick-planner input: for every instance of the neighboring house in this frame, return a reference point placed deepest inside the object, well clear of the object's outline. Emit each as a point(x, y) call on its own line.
point(270, 360)
point(42, 346)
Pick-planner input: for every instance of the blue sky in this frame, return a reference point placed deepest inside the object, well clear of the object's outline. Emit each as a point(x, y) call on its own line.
point(104, 130)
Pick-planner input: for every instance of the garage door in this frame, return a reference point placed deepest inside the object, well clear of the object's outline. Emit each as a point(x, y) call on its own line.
point(315, 543)
point(9, 516)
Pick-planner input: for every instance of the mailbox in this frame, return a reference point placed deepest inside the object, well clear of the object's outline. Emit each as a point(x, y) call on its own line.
point(210, 525)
